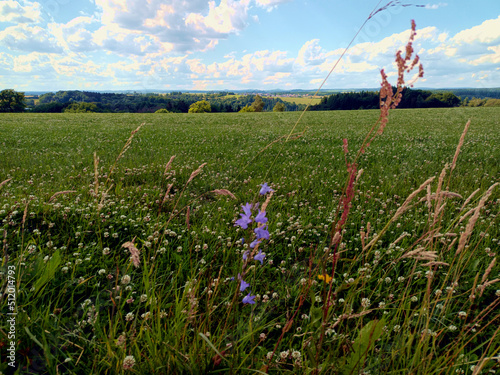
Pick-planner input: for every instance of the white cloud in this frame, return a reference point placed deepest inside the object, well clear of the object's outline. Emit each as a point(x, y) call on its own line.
point(490, 58)
point(74, 35)
point(32, 62)
point(277, 78)
point(228, 17)
point(181, 26)
point(486, 33)
point(30, 39)
point(435, 6)
point(311, 53)
point(270, 4)
point(14, 12)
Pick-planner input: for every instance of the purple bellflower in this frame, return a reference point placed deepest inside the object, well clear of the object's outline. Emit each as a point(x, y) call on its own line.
point(243, 222)
point(247, 209)
point(260, 257)
point(261, 217)
point(265, 189)
point(243, 285)
point(245, 217)
point(254, 243)
point(262, 232)
point(249, 299)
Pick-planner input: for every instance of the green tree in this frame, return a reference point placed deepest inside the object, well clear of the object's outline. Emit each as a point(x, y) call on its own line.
point(81, 108)
point(258, 104)
point(279, 107)
point(247, 108)
point(12, 101)
point(162, 110)
point(200, 107)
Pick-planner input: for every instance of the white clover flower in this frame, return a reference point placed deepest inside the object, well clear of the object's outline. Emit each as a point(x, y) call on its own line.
point(462, 314)
point(129, 317)
point(414, 299)
point(143, 298)
point(102, 271)
point(401, 279)
point(365, 302)
point(128, 362)
point(330, 331)
point(105, 251)
point(125, 279)
point(452, 328)
point(65, 269)
point(296, 354)
point(284, 354)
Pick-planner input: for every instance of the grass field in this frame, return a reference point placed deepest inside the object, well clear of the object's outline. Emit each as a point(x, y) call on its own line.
point(301, 100)
point(412, 292)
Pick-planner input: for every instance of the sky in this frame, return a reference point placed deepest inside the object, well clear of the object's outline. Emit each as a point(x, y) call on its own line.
point(100, 45)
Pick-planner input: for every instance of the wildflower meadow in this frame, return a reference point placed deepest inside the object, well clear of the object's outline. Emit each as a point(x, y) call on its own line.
point(343, 242)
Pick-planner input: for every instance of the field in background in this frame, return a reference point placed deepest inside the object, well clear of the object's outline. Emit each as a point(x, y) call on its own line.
point(301, 100)
point(83, 308)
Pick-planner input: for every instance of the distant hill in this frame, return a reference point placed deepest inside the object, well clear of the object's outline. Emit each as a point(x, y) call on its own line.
point(480, 93)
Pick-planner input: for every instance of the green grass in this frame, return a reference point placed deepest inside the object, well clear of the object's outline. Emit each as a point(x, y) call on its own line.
point(390, 312)
point(300, 100)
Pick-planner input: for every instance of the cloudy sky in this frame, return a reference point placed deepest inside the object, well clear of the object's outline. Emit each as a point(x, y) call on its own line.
point(103, 45)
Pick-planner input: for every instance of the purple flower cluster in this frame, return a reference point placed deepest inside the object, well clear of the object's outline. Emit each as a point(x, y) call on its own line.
point(261, 233)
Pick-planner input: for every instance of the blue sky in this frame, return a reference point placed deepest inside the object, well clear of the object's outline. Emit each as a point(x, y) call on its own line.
point(103, 45)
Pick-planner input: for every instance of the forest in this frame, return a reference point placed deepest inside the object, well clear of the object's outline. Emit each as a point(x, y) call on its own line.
point(176, 102)
point(179, 102)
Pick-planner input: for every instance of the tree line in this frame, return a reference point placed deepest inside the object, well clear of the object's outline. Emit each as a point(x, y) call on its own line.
point(177, 102)
point(87, 101)
point(370, 100)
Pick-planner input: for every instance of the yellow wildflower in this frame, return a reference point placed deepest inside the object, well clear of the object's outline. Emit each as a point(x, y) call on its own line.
point(325, 278)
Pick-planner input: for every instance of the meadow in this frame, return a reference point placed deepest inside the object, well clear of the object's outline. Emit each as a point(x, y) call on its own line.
point(301, 100)
point(127, 256)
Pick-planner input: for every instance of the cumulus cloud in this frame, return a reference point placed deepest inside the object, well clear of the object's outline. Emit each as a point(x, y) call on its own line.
point(74, 35)
point(28, 38)
point(228, 17)
point(277, 78)
point(180, 26)
point(14, 12)
point(311, 53)
point(486, 33)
